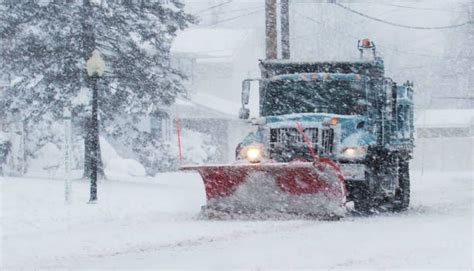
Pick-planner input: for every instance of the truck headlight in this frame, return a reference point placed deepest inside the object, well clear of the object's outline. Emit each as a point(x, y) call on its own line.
point(252, 153)
point(354, 153)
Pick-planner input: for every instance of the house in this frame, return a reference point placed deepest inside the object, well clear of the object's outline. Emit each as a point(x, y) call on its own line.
point(444, 140)
point(216, 61)
point(207, 115)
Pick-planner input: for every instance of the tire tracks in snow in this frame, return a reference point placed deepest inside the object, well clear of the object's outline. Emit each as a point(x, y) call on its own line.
point(242, 231)
point(188, 243)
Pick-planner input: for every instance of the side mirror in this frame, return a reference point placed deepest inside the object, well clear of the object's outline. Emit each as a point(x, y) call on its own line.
point(245, 92)
point(244, 113)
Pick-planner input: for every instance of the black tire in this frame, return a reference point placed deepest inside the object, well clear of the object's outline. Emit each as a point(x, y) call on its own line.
point(362, 199)
point(401, 200)
point(363, 192)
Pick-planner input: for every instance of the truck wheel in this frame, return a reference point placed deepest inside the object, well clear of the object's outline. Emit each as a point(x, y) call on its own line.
point(363, 192)
point(362, 199)
point(402, 194)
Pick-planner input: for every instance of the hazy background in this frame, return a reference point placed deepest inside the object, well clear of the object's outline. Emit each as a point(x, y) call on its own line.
point(324, 31)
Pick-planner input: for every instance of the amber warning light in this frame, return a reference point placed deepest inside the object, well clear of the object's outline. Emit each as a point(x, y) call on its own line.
point(366, 43)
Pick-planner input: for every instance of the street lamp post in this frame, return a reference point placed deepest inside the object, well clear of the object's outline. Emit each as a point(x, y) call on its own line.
point(95, 69)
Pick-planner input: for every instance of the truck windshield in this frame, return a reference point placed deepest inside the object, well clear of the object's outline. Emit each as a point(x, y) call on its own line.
point(338, 97)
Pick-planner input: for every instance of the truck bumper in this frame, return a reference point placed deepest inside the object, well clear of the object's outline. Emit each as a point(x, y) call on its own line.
point(353, 172)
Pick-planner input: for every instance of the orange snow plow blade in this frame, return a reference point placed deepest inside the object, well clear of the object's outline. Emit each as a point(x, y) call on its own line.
point(302, 188)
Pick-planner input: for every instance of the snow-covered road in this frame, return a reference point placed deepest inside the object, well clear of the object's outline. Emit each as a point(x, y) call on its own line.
point(153, 223)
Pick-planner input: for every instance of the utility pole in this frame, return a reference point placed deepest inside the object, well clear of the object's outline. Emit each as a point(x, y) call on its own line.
point(285, 29)
point(271, 29)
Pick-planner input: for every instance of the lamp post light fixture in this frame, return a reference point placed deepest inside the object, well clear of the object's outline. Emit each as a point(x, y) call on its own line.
point(95, 66)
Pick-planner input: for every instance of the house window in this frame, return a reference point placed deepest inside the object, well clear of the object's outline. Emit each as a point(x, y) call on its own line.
point(166, 129)
point(161, 126)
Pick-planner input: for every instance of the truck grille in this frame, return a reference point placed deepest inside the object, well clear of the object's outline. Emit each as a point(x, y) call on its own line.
point(290, 138)
point(327, 141)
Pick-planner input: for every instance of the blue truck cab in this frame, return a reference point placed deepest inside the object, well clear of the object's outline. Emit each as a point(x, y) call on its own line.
point(350, 111)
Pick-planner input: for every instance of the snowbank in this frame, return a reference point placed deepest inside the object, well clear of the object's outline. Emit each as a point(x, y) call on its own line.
point(49, 163)
point(116, 167)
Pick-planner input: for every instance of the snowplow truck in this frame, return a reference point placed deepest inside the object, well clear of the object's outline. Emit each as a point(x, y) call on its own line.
point(327, 133)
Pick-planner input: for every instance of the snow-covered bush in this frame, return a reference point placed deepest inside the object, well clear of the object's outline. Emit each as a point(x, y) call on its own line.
point(197, 147)
point(53, 40)
point(158, 156)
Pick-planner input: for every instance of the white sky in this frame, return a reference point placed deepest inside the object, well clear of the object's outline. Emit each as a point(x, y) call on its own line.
point(324, 31)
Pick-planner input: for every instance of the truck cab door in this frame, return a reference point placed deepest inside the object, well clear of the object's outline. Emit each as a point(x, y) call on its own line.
point(404, 125)
point(389, 111)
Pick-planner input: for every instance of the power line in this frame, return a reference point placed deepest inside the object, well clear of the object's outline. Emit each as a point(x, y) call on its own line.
point(236, 17)
point(213, 7)
point(418, 8)
point(393, 49)
point(321, 23)
point(402, 25)
point(380, 46)
point(238, 10)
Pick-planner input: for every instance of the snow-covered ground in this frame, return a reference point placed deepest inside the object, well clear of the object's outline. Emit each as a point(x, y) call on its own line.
point(154, 223)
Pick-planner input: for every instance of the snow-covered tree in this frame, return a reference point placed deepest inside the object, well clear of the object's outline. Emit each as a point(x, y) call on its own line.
point(45, 45)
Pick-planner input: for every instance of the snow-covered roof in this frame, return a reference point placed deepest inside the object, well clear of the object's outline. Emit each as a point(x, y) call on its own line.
point(210, 42)
point(205, 106)
point(218, 104)
point(444, 118)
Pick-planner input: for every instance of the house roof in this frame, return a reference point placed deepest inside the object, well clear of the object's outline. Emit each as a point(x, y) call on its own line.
point(217, 104)
point(210, 42)
point(204, 106)
point(444, 118)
